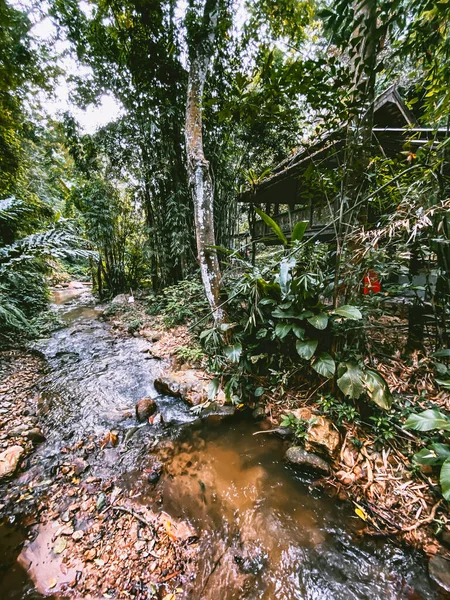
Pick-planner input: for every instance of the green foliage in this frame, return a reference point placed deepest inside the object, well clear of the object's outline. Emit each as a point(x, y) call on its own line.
point(428, 420)
point(282, 322)
point(340, 411)
point(383, 428)
point(436, 454)
point(181, 303)
point(192, 354)
point(47, 322)
point(354, 380)
point(299, 426)
point(272, 224)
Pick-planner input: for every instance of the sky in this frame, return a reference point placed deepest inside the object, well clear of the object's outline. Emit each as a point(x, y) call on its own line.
point(93, 117)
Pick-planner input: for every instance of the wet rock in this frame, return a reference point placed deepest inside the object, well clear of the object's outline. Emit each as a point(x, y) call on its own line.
point(145, 408)
point(259, 413)
point(285, 433)
point(151, 334)
point(79, 466)
point(35, 435)
point(183, 384)
point(439, 569)
point(154, 475)
point(120, 299)
point(306, 460)
point(322, 436)
point(217, 410)
point(9, 459)
point(76, 285)
point(156, 419)
point(18, 431)
point(444, 537)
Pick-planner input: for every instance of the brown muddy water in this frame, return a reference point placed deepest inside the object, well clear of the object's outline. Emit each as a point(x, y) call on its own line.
point(266, 532)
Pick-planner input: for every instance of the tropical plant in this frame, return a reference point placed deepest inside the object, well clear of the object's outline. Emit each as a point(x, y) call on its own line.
point(282, 316)
point(436, 453)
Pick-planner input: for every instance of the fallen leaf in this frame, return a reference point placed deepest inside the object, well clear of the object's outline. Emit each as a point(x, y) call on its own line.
point(361, 513)
point(60, 545)
point(99, 562)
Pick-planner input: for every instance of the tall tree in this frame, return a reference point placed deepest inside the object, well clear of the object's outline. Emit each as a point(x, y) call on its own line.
point(201, 43)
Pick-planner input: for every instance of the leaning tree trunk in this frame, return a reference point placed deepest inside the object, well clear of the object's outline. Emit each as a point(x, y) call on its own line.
point(199, 173)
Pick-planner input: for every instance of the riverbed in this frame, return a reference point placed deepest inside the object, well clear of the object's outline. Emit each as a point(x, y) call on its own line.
point(264, 530)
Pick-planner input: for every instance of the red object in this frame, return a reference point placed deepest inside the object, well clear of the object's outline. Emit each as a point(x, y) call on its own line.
point(371, 283)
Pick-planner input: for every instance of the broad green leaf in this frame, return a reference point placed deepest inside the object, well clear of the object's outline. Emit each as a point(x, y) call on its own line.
point(306, 348)
point(351, 381)
point(428, 420)
point(213, 388)
point(324, 365)
point(233, 352)
point(299, 231)
point(265, 301)
point(445, 383)
point(441, 368)
point(319, 321)
point(377, 389)
point(290, 313)
point(435, 454)
point(444, 479)
point(298, 331)
point(271, 223)
point(282, 329)
point(349, 312)
point(442, 353)
point(258, 392)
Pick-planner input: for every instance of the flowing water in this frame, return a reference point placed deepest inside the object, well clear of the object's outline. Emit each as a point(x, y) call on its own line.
point(265, 531)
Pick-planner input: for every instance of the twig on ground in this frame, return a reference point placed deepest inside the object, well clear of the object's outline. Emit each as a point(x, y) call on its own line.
point(135, 515)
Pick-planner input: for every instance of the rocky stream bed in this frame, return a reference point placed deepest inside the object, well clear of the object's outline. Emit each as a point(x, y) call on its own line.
point(102, 501)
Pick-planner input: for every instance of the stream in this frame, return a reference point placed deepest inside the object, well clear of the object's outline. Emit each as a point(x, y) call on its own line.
point(266, 532)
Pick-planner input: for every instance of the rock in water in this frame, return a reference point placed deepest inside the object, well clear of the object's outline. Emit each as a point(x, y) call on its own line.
point(306, 460)
point(322, 435)
point(259, 413)
point(35, 435)
point(439, 570)
point(9, 459)
point(145, 408)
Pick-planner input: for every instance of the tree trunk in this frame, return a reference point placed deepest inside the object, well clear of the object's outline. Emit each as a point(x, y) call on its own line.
point(199, 173)
point(353, 209)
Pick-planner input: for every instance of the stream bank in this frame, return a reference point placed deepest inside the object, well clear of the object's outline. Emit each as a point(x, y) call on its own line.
point(109, 508)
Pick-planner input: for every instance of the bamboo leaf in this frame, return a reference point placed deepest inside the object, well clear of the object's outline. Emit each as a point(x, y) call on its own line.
point(271, 223)
point(299, 231)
